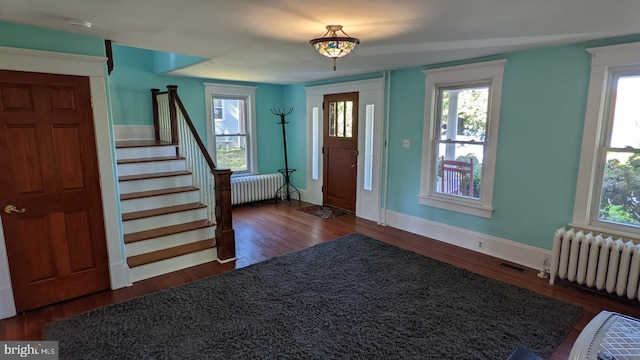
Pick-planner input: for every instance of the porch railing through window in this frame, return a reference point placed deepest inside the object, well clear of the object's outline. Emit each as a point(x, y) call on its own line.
point(173, 125)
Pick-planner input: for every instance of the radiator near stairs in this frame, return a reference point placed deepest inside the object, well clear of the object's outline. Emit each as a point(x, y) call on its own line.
point(606, 263)
point(250, 188)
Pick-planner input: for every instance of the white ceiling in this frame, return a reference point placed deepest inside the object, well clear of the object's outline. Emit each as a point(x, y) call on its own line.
point(267, 40)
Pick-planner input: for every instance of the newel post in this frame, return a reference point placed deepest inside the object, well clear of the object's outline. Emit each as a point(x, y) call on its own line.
point(172, 90)
point(156, 119)
point(225, 235)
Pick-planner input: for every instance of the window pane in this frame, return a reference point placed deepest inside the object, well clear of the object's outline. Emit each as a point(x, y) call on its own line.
point(349, 119)
point(230, 116)
point(340, 118)
point(332, 118)
point(231, 152)
point(459, 169)
point(368, 147)
point(626, 123)
point(620, 196)
point(463, 113)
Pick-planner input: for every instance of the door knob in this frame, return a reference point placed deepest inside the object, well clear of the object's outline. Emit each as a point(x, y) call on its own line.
point(10, 208)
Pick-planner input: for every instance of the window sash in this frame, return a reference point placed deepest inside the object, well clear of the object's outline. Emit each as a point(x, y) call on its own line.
point(439, 140)
point(606, 148)
point(215, 134)
point(605, 62)
point(490, 74)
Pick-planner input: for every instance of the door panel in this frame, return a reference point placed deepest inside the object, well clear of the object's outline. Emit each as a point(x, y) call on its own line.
point(57, 246)
point(340, 144)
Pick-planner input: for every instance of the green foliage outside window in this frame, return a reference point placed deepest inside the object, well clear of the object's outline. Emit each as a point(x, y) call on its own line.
point(620, 200)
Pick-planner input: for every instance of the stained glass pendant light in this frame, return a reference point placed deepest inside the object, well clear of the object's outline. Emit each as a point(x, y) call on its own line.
point(333, 45)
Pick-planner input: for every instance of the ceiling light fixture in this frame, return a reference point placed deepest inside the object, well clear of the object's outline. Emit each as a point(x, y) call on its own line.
point(333, 45)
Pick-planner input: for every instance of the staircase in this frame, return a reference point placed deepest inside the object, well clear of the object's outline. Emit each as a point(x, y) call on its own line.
point(164, 223)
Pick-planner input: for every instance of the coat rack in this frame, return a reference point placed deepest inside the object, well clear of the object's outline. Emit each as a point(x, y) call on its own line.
point(287, 189)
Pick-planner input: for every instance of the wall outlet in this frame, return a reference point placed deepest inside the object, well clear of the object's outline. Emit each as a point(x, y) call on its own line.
point(479, 244)
point(406, 143)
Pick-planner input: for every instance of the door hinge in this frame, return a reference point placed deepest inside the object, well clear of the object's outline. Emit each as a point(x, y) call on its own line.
point(323, 150)
point(322, 189)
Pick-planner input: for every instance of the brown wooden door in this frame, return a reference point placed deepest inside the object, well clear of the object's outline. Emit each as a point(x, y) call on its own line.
point(57, 246)
point(340, 146)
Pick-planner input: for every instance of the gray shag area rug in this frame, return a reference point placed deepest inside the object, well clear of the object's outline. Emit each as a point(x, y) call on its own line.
point(351, 298)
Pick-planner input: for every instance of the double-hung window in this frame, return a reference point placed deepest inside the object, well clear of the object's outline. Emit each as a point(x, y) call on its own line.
point(231, 126)
point(462, 105)
point(608, 187)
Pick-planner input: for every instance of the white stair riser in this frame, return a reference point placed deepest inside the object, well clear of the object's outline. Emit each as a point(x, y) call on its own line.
point(154, 222)
point(154, 202)
point(151, 167)
point(168, 182)
point(168, 241)
point(174, 264)
point(145, 152)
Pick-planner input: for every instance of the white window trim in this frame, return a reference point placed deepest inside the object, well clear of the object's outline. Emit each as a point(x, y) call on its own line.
point(603, 60)
point(213, 89)
point(492, 72)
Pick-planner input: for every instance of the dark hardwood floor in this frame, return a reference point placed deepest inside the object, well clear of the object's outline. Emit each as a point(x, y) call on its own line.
point(269, 229)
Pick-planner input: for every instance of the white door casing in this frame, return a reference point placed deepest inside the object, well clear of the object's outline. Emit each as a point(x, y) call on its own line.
point(371, 92)
point(93, 67)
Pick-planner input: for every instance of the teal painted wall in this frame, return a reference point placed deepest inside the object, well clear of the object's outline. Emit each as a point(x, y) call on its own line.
point(134, 75)
point(540, 135)
point(29, 37)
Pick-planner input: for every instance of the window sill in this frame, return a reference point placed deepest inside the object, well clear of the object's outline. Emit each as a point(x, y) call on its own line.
point(458, 205)
point(609, 229)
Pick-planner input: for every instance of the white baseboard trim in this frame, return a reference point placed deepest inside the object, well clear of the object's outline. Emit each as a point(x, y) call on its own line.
point(522, 254)
point(119, 275)
point(7, 304)
point(133, 132)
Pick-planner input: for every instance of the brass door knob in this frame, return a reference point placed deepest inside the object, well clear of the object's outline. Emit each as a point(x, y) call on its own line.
point(11, 208)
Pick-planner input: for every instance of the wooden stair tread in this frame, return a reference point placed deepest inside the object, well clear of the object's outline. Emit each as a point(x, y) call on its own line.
point(153, 175)
point(169, 253)
point(161, 211)
point(149, 193)
point(150, 159)
point(141, 143)
point(167, 230)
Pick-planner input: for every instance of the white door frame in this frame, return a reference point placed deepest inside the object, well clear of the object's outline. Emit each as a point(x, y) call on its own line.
point(370, 92)
point(94, 68)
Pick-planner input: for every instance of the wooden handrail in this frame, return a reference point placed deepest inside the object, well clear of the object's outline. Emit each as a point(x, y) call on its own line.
point(173, 95)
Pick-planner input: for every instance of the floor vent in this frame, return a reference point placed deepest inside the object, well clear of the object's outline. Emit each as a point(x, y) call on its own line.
point(512, 267)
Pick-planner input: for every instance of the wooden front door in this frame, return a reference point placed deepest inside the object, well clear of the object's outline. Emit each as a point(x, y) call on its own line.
point(340, 146)
point(55, 237)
